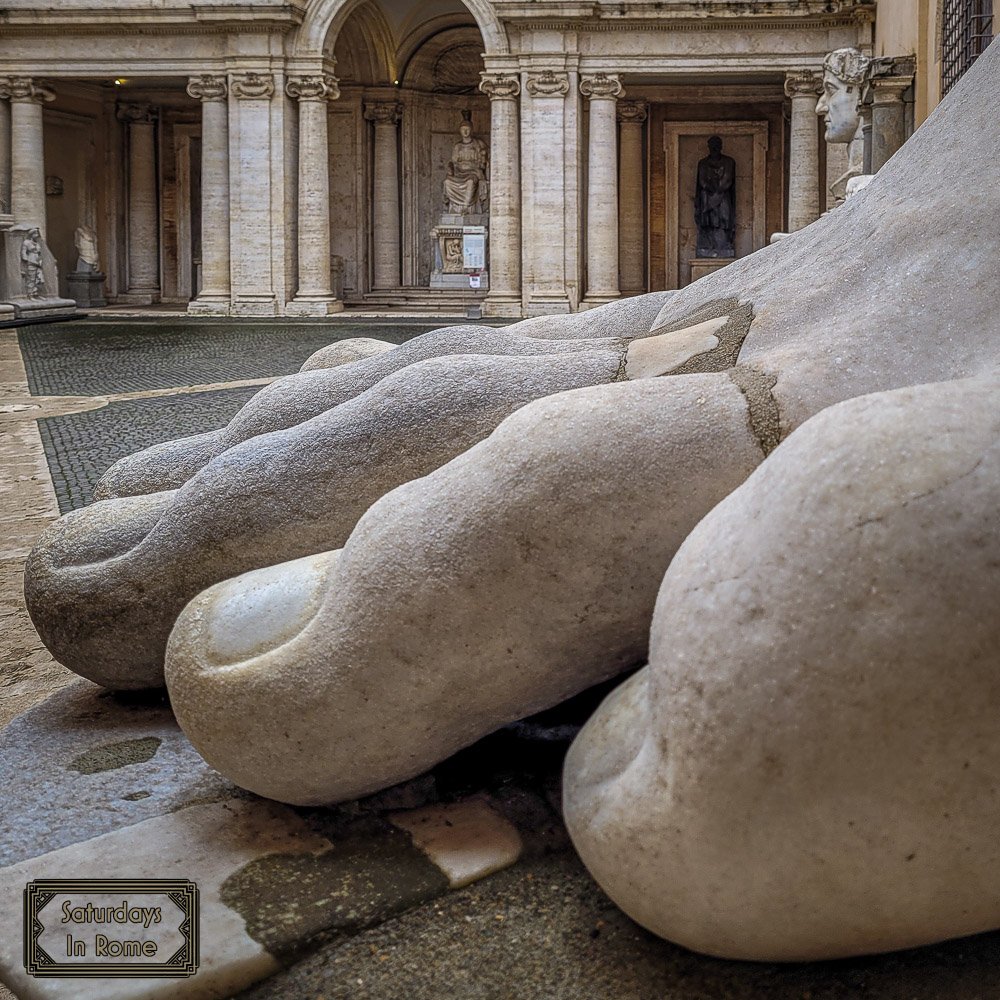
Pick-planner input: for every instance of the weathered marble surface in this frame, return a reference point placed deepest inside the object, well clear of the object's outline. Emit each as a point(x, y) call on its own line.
point(473, 595)
point(512, 577)
point(806, 768)
point(343, 352)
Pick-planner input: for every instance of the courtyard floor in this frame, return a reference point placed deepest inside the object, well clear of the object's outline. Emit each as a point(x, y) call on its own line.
point(459, 884)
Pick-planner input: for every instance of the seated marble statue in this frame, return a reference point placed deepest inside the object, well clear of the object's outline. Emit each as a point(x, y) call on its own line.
point(466, 187)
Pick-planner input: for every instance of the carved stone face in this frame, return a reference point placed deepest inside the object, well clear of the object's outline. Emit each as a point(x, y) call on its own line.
point(839, 105)
point(465, 130)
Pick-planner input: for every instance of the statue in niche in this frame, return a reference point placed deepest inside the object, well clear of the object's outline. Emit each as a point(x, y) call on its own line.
point(87, 260)
point(466, 186)
point(32, 275)
point(715, 203)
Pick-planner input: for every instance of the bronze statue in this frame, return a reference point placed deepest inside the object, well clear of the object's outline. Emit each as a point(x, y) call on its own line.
point(715, 203)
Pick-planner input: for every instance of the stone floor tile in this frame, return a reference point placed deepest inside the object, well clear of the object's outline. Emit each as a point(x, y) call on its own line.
point(207, 844)
point(466, 840)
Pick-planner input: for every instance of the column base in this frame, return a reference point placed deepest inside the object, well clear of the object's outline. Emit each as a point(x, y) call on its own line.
point(138, 297)
point(502, 304)
point(209, 305)
point(254, 307)
point(595, 299)
point(309, 305)
point(546, 304)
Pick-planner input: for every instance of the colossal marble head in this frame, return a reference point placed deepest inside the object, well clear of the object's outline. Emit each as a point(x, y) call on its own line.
point(844, 71)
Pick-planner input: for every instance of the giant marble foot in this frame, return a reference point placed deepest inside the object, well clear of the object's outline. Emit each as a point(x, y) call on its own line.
point(368, 666)
point(105, 583)
point(519, 573)
point(807, 767)
point(326, 380)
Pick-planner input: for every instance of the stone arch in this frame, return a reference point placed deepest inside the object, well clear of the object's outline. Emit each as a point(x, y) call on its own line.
point(325, 18)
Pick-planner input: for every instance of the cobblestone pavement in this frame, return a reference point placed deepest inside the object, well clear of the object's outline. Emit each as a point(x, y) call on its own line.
point(81, 447)
point(94, 357)
point(97, 358)
point(458, 885)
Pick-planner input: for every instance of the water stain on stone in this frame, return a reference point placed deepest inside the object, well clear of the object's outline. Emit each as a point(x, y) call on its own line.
point(294, 902)
point(111, 756)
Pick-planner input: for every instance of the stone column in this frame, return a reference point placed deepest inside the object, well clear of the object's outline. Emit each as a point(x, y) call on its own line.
point(212, 91)
point(504, 298)
point(544, 191)
point(143, 236)
point(631, 206)
point(803, 87)
point(888, 117)
point(27, 150)
point(4, 147)
point(314, 296)
point(386, 242)
point(250, 195)
point(603, 92)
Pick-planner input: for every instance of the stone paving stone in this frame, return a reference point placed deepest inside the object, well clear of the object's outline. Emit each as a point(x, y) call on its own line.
point(81, 447)
point(92, 358)
point(466, 840)
point(207, 844)
point(543, 930)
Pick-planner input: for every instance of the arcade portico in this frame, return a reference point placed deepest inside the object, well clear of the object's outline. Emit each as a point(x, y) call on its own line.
point(285, 158)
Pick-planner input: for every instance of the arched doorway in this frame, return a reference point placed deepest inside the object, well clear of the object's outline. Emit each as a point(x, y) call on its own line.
point(408, 76)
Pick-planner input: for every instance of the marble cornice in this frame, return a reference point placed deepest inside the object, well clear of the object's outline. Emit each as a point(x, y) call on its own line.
point(702, 11)
point(186, 20)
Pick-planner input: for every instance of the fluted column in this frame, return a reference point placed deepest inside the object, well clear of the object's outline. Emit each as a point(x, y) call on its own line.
point(314, 296)
point(27, 150)
point(504, 298)
point(251, 195)
point(213, 91)
point(385, 115)
point(143, 236)
point(803, 87)
point(603, 92)
point(631, 206)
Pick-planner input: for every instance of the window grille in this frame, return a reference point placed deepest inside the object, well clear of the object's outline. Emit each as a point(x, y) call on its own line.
point(966, 30)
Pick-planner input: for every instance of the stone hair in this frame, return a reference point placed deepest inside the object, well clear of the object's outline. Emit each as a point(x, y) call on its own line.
point(848, 65)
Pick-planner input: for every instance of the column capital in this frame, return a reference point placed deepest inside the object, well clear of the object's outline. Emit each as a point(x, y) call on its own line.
point(632, 112)
point(500, 86)
point(548, 84)
point(383, 112)
point(252, 86)
point(889, 89)
point(803, 83)
point(601, 87)
point(208, 87)
point(24, 88)
point(136, 114)
point(316, 87)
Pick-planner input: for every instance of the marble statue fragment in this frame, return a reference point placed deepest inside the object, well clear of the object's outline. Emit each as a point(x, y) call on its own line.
point(517, 565)
point(805, 770)
point(32, 277)
point(486, 536)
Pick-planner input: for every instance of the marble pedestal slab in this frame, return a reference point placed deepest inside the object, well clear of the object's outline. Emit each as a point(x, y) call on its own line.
point(700, 266)
point(86, 288)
